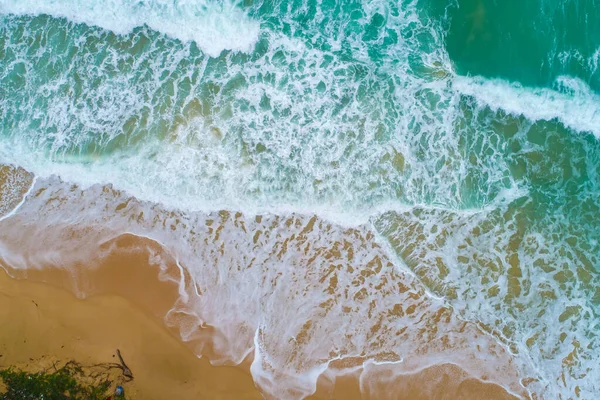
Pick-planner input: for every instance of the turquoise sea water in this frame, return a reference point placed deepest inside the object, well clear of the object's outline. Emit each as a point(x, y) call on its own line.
point(464, 135)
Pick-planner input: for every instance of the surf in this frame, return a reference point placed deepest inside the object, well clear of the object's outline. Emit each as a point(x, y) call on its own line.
point(571, 101)
point(213, 26)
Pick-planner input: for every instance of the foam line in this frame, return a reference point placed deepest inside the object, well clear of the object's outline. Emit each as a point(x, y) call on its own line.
point(16, 208)
point(571, 102)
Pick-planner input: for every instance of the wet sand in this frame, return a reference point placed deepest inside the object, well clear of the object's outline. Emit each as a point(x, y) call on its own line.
point(119, 301)
point(43, 320)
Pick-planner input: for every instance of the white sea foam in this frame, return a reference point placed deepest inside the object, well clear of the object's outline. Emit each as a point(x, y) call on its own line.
point(298, 129)
point(572, 101)
point(214, 25)
point(592, 61)
point(299, 292)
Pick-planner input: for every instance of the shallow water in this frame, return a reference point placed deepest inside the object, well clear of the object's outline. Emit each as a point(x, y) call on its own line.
point(410, 183)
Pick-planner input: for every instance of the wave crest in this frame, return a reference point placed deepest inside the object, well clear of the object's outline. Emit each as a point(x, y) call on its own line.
point(213, 26)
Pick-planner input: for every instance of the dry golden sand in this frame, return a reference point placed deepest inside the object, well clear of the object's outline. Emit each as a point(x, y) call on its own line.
point(40, 320)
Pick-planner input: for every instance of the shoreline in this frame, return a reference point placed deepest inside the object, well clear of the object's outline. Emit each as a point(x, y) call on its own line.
point(40, 321)
point(120, 298)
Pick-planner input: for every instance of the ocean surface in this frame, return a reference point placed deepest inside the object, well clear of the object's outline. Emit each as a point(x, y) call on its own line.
point(344, 184)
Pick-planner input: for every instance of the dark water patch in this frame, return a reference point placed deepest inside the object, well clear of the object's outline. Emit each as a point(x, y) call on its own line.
point(531, 42)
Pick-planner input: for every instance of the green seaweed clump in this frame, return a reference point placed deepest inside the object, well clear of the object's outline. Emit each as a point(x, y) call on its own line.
point(63, 384)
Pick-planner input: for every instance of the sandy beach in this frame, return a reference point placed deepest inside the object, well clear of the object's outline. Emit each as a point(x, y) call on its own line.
point(50, 314)
point(41, 322)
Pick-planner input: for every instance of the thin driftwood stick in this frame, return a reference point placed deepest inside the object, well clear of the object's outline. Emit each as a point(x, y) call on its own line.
point(124, 367)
